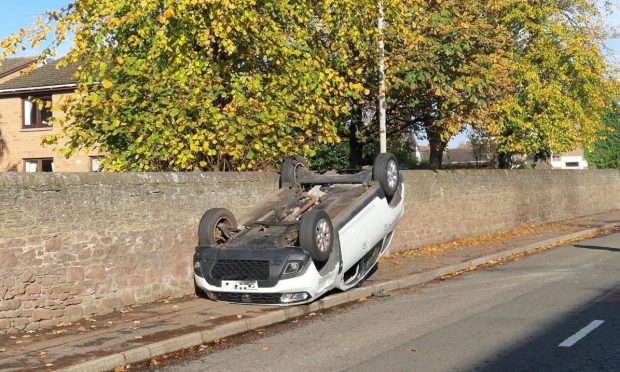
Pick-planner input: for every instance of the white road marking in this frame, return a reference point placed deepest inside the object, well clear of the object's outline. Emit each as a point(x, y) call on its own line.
point(572, 340)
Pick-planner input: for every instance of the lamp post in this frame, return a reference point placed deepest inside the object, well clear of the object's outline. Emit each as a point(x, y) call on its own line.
point(382, 126)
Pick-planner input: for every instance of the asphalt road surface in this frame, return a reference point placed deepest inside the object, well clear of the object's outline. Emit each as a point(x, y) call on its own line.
point(554, 311)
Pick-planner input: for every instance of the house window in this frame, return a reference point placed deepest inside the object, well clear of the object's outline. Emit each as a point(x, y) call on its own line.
point(39, 165)
point(572, 164)
point(95, 163)
point(37, 112)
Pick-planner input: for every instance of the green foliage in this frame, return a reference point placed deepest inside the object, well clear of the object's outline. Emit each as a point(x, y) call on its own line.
point(605, 152)
point(331, 157)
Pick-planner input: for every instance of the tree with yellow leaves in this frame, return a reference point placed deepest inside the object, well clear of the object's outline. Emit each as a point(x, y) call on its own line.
point(237, 85)
point(561, 82)
point(195, 84)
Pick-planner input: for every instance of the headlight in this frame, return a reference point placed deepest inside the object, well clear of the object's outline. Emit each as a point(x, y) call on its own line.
point(293, 267)
point(289, 298)
point(197, 268)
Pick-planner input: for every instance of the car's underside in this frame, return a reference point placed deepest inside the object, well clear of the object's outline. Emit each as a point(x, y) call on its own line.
point(295, 234)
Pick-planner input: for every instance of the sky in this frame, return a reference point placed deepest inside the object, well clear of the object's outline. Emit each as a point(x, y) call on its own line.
point(18, 14)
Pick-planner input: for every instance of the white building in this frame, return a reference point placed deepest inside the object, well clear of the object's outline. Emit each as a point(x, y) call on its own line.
point(569, 160)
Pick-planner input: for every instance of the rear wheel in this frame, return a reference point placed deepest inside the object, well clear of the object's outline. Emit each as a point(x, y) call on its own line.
point(385, 171)
point(288, 177)
point(216, 227)
point(316, 235)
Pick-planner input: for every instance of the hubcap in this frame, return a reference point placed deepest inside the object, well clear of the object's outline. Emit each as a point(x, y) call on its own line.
point(392, 174)
point(323, 235)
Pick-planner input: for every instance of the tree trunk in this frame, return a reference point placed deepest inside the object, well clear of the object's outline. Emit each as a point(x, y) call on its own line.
point(504, 160)
point(355, 146)
point(437, 146)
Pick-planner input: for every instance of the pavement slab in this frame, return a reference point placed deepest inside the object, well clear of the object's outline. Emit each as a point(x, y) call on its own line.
point(131, 335)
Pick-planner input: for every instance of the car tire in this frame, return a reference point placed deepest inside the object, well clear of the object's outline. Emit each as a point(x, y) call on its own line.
point(288, 177)
point(385, 171)
point(316, 234)
point(215, 227)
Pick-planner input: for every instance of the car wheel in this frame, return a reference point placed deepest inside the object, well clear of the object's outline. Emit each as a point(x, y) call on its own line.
point(216, 227)
point(288, 176)
point(385, 171)
point(316, 235)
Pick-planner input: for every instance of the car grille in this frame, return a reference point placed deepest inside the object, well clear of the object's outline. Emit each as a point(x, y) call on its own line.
point(240, 270)
point(254, 298)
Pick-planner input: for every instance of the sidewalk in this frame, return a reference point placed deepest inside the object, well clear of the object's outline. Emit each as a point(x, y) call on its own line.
point(141, 333)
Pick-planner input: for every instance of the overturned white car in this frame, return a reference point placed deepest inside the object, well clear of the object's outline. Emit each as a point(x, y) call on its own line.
point(322, 230)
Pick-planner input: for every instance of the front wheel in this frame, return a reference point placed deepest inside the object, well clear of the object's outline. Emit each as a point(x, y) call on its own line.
point(216, 227)
point(316, 235)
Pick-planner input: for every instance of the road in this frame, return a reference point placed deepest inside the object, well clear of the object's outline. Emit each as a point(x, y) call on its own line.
point(512, 317)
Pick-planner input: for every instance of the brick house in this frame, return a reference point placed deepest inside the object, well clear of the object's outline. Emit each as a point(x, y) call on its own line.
point(23, 123)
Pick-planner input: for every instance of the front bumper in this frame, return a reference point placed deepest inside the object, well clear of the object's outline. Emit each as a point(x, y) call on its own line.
point(256, 276)
point(308, 283)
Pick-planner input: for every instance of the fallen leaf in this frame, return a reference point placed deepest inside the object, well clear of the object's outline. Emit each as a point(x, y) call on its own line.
point(138, 338)
point(239, 316)
point(82, 329)
point(119, 369)
point(362, 299)
point(30, 331)
point(154, 362)
point(265, 348)
point(312, 314)
point(49, 365)
point(136, 322)
point(42, 355)
point(12, 337)
point(58, 331)
point(63, 324)
point(18, 342)
point(2, 350)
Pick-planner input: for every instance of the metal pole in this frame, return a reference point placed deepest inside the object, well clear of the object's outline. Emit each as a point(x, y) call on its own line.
point(382, 126)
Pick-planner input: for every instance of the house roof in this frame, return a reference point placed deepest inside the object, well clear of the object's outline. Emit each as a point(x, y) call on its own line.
point(11, 65)
point(456, 156)
point(42, 79)
point(459, 156)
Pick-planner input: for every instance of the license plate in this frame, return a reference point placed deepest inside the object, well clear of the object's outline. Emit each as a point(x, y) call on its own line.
point(242, 285)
